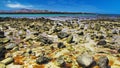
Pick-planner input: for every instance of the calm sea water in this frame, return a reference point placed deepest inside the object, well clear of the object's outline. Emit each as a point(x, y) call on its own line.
point(47, 15)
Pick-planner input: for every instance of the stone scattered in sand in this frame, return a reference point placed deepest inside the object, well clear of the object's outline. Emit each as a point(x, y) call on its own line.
point(57, 43)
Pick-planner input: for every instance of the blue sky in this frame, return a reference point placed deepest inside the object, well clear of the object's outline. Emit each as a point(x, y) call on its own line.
point(96, 6)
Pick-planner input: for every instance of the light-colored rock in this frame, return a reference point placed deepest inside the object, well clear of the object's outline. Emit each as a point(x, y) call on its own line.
point(2, 65)
point(7, 60)
point(85, 60)
point(14, 66)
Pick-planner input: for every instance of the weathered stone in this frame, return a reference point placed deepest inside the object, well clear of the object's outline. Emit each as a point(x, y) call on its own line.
point(42, 60)
point(84, 60)
point(61, 45)
point(103, 62)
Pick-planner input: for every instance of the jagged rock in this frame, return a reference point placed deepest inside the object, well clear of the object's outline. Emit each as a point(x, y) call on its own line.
point(86, 61)
point(70, 39)
point(42, 60)
point(103, 62)
point(102, 42)
point(2, 52)
point(62, 35)
point(61, 45)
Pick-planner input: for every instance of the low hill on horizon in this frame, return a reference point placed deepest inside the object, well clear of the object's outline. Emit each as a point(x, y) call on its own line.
point(38, 11)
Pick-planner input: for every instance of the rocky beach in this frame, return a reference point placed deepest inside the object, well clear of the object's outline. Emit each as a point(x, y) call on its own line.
point(59, 42)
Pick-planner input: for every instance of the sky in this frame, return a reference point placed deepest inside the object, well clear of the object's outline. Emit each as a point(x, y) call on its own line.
point(94, 6)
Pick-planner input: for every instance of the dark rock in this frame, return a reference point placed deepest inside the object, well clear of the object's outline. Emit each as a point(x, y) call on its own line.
point(2, 52)
point(62, 35)
point(103, 62)
point(30, 52)
point(102, 42)
point(2, 34)
point(36, 34)
point(42, 60)
point(86, 61)
point(101, 37)
point(61, 45)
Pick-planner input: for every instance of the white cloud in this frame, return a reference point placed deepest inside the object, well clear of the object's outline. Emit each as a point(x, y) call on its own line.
point(18, 5)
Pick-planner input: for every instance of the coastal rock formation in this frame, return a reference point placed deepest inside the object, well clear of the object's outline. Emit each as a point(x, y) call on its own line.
point(57, 43)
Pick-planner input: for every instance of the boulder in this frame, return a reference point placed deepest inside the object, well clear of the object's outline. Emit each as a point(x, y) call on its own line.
point(103, 62)
point(85, 60)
